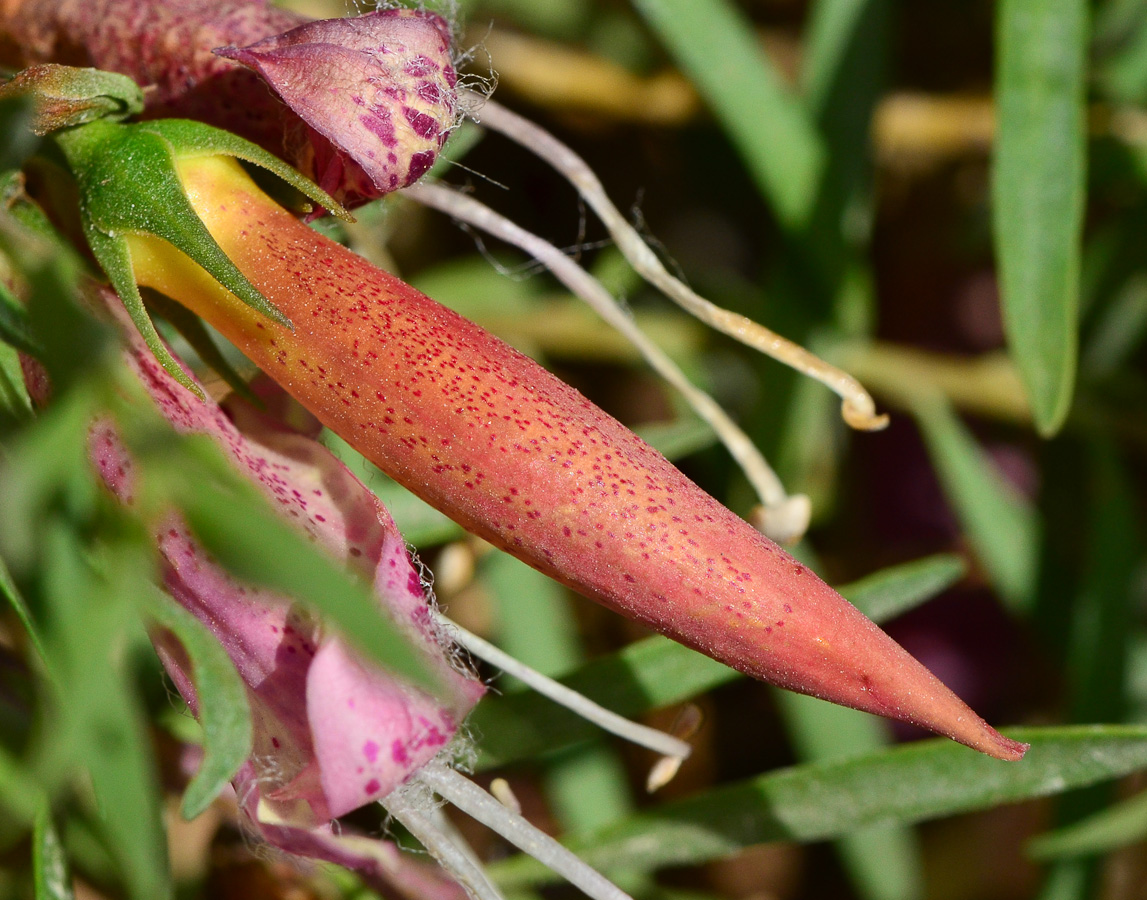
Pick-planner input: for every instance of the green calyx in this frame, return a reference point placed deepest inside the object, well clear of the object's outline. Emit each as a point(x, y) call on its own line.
point(128, 184)
point(64, 96)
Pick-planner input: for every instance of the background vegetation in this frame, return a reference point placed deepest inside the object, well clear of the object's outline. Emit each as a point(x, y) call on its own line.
point(945, 198)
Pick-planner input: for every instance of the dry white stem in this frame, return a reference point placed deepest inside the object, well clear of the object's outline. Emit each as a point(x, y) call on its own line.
point(605, 719)
point(479, 805)
point(444, 844)
point(787, 516)
point(858, 408)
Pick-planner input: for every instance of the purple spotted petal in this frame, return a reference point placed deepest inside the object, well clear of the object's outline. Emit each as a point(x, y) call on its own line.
point(370, 734)
point(379, 88)
point(331, 732)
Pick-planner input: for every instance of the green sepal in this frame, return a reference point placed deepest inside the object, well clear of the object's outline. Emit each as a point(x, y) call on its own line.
point(191, 139)
point(128, 185)
point(65, 96)
point(115, 258)
point(191, 327)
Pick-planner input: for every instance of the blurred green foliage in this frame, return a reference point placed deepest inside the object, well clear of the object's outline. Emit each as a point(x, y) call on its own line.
point(853, 173)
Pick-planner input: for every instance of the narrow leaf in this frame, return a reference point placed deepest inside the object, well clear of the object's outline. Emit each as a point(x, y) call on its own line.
point(911, 783)
point(1000, 524)
point(886, 594)
point(10, 592)
point(222, 700)
point(715, 45)
point(53, 881)
point(1117, 826)
point(102, 725)
point(1038, 192)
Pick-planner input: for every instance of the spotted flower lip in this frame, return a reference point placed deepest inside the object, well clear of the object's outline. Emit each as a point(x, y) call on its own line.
point(213, 61)
point(332, 733)
point(389, 72)
point(524, 461)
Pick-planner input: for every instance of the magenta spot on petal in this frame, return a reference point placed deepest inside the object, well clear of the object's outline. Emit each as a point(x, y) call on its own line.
point(414, 584)
point(372, 786)
point(380, 127)
point(419, 164)
point(424, 126)
point(370, 751)
point(429, 92)
point(275, 743)
point(420, 65)
point(398, 753)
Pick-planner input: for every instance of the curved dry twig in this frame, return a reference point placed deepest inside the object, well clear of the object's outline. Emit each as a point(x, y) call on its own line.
point(858, 408)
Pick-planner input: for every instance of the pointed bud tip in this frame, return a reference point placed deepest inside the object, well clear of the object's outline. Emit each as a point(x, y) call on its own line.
point(972, 731)
point(998, 746)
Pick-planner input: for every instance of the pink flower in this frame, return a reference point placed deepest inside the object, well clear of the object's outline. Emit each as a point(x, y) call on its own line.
point(362, 106)
point(331, 733)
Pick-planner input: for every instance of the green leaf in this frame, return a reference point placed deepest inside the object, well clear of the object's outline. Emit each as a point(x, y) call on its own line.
point(101, 726)
point(1117, 826)
point(223, 710)
point(645, 675)
point(1118, 332)
point(911, 783)
point(999, 522)
point(1103, 619)
point(882, 861)
point(22, 797)
point(10, 592)
point(884, 595)
point(716, 47)
point(1038, 190)
point(53, 880)
point(39, 463)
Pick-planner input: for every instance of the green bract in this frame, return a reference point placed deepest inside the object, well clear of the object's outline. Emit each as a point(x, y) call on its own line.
point(128, 184)
point(64, 96)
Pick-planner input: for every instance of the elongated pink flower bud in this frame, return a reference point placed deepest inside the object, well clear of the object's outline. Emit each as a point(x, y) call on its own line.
point(518, 457)
point(361, 105)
